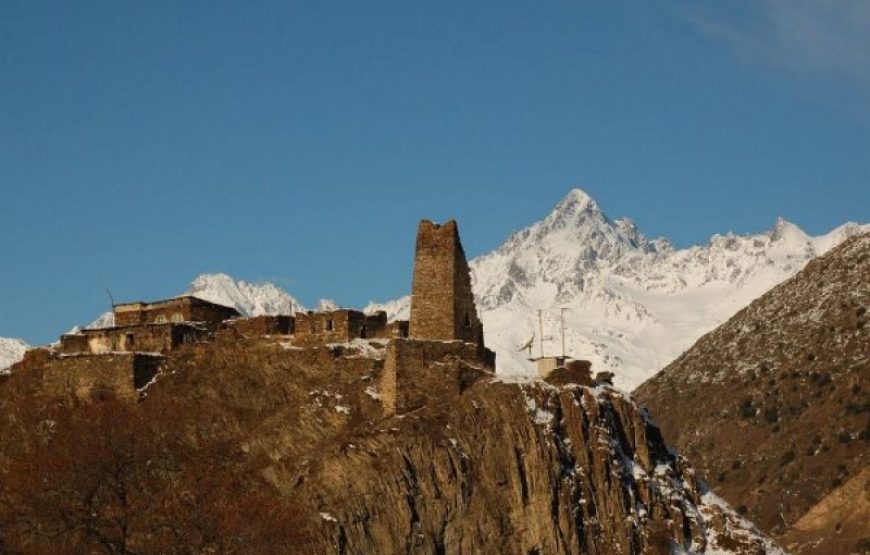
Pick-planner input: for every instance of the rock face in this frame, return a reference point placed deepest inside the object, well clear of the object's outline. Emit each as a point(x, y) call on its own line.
point(773, 404)
point(484, 467)
point(520, 468)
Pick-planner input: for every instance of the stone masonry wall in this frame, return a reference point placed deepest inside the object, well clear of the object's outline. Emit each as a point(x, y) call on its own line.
point(416, 372)
point(262, 325)
point(148, 338)
point(87, 376)
point(338, 326)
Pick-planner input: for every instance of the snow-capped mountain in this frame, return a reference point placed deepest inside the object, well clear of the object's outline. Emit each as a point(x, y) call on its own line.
point(11, 351)
point(633, 304)
point(250, 299)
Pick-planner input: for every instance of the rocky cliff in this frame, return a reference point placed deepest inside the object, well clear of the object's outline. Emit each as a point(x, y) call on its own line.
point(773, 405)
point(234, 436)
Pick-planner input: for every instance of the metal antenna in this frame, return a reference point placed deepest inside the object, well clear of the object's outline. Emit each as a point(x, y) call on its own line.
point(562, 320)
point(111, 298)
point(541, 326)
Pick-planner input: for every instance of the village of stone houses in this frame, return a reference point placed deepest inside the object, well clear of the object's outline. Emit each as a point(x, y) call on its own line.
point(127, 357)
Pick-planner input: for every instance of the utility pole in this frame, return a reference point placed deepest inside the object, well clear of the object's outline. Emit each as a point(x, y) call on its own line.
point(541, 326)
point(562, 323)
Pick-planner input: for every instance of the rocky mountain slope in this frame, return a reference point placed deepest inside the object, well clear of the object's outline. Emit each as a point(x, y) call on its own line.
point(773, 405)
point(522, 467)
point(11, 351)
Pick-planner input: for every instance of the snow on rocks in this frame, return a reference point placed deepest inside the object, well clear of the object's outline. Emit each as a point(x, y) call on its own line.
point(11, 351)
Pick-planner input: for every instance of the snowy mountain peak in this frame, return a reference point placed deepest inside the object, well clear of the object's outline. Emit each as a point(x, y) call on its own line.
point(575, 213)
point(633, 304)
point(250, 299)
point(784, 229)
point(576, 202)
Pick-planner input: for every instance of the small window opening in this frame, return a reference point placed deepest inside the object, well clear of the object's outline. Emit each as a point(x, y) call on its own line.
point(362, 331)
point(131, 339)
point(330, 325)
point(467, 321)
point(160, 319)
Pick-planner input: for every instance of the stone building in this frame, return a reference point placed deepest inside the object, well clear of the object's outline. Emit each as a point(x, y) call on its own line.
point(141, 338)
point(179, 309)
point(442, 302)
point(344, 325)
point(157, 327)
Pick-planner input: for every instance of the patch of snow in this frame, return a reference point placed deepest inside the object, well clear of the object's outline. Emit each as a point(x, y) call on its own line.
point(539, 415)
point(372, 392)
point(11, 351)
point(735, 526)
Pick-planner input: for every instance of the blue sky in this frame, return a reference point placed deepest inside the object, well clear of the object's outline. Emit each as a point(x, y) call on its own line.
point(142, 144)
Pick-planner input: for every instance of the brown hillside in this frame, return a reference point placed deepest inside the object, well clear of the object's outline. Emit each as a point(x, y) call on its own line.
point(251, 445)
point(773, 405)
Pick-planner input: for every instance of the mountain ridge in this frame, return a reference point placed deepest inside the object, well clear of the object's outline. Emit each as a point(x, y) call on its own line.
point(772, 405)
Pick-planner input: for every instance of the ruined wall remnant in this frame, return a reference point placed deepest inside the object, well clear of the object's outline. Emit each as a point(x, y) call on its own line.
point(442, 302)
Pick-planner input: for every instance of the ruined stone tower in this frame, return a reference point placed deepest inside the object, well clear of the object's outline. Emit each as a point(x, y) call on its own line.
point(442, 303)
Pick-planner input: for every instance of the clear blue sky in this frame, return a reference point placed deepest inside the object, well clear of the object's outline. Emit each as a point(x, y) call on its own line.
point(143, 143)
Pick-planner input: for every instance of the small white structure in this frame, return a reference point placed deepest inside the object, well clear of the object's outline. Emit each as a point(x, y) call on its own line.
point(546, 365)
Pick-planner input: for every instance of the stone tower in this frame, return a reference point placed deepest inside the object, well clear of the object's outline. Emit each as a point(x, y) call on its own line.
point(442, 303)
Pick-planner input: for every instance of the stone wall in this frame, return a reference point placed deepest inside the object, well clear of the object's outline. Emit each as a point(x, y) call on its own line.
point(442, 302)
point(148, 338)
point(397, 330)
point(338, 326)
point(416, 372)
point(262, 325)
point(88, 376)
